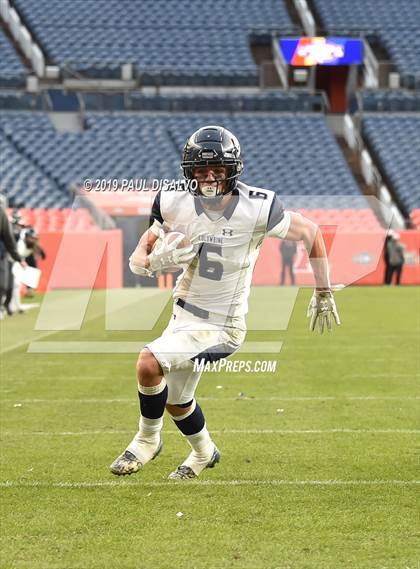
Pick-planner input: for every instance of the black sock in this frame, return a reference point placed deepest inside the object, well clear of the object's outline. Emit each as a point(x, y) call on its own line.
point(153, 400)
point(192, 423)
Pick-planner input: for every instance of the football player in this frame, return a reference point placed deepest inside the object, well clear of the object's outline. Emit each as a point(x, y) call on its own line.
point(223, 223)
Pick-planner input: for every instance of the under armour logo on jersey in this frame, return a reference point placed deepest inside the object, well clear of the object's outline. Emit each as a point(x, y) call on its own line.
point(227, 232)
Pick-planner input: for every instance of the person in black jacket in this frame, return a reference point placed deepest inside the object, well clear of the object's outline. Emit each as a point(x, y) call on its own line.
point(17, 227)
point(395, 259)
point(7, 246)
point(388, 272)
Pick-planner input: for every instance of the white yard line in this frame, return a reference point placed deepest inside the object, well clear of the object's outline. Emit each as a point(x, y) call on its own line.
point(134, 401)
point(183, 484)
point(218, 432)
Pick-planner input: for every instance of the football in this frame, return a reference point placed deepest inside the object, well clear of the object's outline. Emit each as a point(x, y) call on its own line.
point(169, 238)
point(172, 235)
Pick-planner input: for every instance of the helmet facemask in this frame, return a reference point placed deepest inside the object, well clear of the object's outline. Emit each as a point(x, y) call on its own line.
point(213, 186)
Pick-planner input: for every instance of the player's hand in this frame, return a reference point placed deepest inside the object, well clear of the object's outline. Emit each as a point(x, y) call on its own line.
point(138, 268)
point(167, 254)
point(322, 308)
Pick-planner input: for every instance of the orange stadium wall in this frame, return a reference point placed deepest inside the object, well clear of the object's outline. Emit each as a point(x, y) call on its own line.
point(355, 258)
point(81, 260)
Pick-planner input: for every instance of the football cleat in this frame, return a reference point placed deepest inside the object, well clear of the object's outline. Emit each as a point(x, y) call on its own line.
point(128, 463)
point(184, 472)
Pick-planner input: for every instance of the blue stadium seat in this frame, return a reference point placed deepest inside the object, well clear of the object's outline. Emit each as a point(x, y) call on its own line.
point(20, 101)
point(395, 24)
point(389, 100)
point(23, 182)
point(291, 154)
point(12, 71)
point(395, 143)
point(95, 37)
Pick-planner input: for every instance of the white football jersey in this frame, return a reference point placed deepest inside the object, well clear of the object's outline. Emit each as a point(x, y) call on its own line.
point(218, 279)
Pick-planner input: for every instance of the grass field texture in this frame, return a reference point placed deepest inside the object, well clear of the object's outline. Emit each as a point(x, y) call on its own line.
point(319, 465)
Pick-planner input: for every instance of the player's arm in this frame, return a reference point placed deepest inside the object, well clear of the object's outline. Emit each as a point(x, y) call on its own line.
point(322, 305)
point(303, 229)
point(139, 261)
point(296, 227)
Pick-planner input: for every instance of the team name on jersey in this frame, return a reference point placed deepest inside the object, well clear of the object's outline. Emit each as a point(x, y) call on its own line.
point(207, 238)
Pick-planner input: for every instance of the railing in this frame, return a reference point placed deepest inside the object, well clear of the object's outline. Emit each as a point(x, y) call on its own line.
point(306, 17)
point(371, 71)
point(23, 37)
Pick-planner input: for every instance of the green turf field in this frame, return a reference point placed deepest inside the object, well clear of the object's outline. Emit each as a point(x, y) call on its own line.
point(319, 466)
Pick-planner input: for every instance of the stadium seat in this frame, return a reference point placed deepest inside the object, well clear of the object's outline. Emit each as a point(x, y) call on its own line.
point(394, 24)
point(12, 71)
point(394, 140)
point(351, 220)
point(388, 100)
point(295, 155)
point(156, 37)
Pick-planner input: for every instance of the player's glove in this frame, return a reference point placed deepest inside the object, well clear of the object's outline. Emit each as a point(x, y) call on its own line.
point(139, 269)
point(321, 307)
point(166, 254)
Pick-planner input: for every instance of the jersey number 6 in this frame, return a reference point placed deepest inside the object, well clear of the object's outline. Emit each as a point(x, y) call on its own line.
point(208, 269)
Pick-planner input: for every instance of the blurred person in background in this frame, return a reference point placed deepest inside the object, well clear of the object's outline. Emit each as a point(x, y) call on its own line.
point(7, 246)
point(388, 238)
point(29, 248)
point(288, 251)
point(12, 301)
point(394, 258)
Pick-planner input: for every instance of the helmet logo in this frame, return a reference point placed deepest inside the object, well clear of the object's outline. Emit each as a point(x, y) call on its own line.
point(208, 154)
